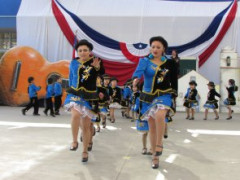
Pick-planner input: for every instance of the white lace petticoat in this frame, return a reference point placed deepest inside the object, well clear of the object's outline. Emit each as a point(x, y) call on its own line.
point(153, 110)
point(83, 110)
point(115, 105)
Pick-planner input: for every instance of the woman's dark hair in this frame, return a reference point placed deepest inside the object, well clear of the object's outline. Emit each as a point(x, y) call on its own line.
point(176, 52)
point(159, 39)
point(30, 79)
point(232, 82)
point(84, 42)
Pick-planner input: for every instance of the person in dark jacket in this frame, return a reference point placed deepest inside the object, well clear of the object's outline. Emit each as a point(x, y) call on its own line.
point(32, 92)
point(231, 100)
point(49, 95)
point(58, 95)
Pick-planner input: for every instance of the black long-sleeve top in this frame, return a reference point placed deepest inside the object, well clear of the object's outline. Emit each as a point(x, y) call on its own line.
point(211, 95)
point(88, 75)
point(192, 95)
point(115, 94)
point(231, 91)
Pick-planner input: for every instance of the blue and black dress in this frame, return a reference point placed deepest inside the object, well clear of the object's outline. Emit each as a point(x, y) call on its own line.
point(103, 102)
point(135, 101)
point(82, 94)
point(158, 89)
point(231, 100)
point(211, 102)
point(191, 98)
point(116, 95)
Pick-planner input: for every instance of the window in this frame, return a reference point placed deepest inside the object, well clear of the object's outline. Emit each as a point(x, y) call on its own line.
point(7, 40)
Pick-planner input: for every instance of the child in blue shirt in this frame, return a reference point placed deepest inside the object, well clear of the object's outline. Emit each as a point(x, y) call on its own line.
point(58, 95)
point(32, 91)
point(49, 95)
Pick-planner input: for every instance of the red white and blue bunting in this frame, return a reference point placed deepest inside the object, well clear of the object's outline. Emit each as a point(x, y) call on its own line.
point(120, 58)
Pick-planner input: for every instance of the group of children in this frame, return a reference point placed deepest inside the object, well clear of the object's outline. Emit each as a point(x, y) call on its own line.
point(53, 90)
point(109, 99)
point(191, 99)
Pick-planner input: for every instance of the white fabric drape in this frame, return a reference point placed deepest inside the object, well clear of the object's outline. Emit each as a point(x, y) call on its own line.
point(178, 22)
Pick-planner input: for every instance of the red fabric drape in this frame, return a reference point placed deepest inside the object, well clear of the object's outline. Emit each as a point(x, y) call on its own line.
point(122, 71)
point(62, 23)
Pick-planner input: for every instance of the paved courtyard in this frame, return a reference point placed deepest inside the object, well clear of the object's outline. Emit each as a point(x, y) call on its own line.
point(37, 148)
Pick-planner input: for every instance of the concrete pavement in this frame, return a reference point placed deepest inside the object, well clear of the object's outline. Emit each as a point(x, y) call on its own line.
point(34, 148)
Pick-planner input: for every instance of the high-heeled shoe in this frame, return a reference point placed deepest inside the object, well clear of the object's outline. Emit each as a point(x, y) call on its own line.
point(98, 129)
point(85, 159)
point(158, 153)
point(216, 118)
point(74, 148)
point(144, 151)
point(229, 118)
point(187, 117)
point(155, 162)
point(90, 146)
point(165, 136)
point(104, 124)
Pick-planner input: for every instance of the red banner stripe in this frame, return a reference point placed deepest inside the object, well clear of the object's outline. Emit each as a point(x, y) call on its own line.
point(229, 20)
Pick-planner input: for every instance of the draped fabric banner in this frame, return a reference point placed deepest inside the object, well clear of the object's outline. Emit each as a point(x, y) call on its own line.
point(120, 36)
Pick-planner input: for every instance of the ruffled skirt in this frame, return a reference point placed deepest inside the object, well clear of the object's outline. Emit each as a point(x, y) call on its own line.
point(159, 103)
point(82, 106)
point(211, 105)
point(229, 102)
point(115, 105)
point(191, 104)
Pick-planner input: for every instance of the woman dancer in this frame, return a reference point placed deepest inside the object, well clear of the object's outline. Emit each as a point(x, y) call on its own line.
point(157, 94)
point(82, 97)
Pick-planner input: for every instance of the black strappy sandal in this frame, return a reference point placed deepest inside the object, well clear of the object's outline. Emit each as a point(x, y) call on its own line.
point(159, 153)
point(73, 148)
point(144, 151)
point(155, 165)
point(98, 129)
point(90, 146)
point(104, 124)
point(85, 159)
point(229, 118)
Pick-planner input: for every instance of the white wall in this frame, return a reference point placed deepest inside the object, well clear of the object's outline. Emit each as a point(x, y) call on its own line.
point(183, 84)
